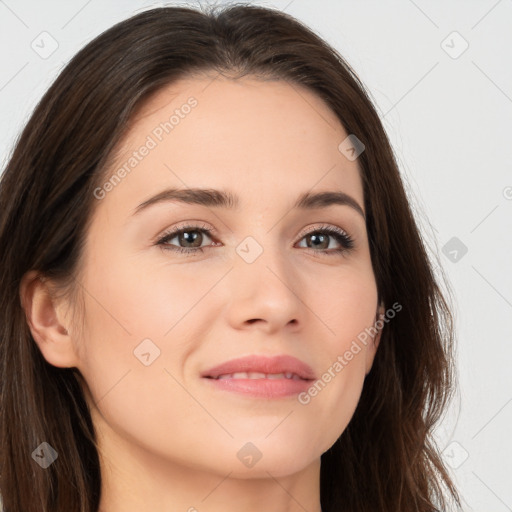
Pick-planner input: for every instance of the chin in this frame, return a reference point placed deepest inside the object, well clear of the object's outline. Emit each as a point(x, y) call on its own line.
point(258, 458)
point(276, 467)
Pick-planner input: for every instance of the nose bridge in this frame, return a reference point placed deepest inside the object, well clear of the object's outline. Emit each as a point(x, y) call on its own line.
point(261, 255)
point(262, 243)
point(263, 280)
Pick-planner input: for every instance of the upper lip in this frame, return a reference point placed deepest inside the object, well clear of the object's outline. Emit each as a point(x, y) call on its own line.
point(262, 364)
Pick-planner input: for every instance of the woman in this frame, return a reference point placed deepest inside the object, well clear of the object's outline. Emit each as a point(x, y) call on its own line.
point(214, 293)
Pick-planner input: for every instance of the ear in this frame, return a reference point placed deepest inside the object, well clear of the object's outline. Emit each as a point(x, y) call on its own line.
point(46, 320)
point(371, 348)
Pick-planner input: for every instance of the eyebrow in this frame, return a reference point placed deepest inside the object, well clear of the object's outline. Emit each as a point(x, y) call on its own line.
point(213, 198)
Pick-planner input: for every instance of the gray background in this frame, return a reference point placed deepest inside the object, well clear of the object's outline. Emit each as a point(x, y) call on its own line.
point(448, 112)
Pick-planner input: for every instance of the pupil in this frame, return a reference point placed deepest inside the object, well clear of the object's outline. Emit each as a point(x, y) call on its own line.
point(317, 238)
point(189, 238)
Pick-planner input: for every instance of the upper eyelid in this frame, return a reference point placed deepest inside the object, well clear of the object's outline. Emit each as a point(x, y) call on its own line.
point(210, 231)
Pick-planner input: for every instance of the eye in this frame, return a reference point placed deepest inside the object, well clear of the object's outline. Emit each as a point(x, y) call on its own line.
point(191, 236)
point(318, 240)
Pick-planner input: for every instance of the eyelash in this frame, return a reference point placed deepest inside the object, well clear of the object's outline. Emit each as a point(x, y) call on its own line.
point(345, 241)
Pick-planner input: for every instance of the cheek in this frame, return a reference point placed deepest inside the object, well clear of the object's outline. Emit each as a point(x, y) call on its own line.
point(127, 357)
point(344, 303)
point(346, 312)
point(133, 300)
point(136, 314)
point(332, 399)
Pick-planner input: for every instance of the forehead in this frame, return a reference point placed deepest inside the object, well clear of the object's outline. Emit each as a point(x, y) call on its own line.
point(255, 136)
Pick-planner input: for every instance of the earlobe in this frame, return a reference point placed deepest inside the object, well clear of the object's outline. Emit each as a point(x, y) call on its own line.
point(45, 321)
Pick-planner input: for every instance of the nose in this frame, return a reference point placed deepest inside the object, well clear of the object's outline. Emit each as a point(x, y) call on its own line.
point(265, 290)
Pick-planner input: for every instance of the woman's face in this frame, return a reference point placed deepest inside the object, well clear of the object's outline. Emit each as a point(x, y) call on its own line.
point(257, 278)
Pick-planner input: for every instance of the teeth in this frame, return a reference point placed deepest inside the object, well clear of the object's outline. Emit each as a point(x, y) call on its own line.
point(239, 375)
point(259, 375)
point(255, 375)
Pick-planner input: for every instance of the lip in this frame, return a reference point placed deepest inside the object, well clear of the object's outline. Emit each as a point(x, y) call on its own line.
point(303, 375)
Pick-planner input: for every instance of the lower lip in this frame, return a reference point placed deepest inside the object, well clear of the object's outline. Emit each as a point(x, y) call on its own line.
point(262, 388)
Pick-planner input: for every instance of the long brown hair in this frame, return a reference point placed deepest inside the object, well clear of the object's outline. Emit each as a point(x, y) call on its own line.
point(386, 459)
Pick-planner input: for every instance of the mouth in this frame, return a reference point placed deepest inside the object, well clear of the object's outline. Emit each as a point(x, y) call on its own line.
point(260, 376)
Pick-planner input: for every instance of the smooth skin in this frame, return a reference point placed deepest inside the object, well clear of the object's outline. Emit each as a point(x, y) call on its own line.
point(168, 440)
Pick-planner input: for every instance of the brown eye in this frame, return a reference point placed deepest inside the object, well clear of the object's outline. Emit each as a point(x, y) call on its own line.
point(319, 240)
point(187, 239)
